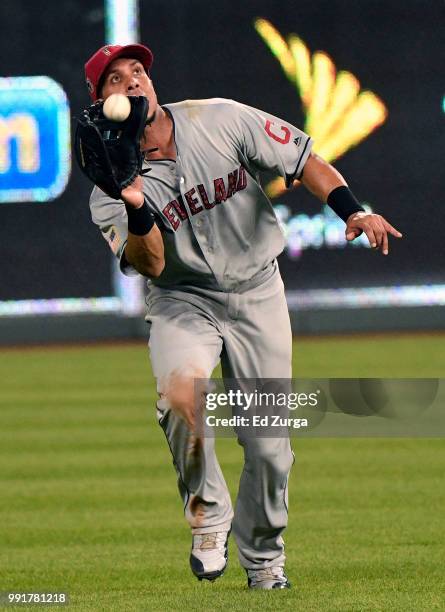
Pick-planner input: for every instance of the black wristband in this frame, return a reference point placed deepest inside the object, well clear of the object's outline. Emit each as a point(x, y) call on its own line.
point(343, 202)
point(140, 220)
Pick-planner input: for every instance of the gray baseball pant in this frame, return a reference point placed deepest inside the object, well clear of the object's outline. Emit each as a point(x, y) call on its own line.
point(191, 330)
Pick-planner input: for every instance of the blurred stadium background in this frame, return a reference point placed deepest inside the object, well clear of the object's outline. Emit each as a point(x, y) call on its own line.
point(88, 501)
point(379, 118)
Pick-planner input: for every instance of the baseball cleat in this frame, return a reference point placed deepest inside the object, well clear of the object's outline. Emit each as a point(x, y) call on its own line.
point(208, 558)
point(268, 578)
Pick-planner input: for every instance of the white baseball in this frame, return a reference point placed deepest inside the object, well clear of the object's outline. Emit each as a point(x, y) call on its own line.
point(117, 107)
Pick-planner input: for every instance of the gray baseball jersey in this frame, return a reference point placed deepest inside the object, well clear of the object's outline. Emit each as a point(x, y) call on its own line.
point(220, 296)
point(219, 227)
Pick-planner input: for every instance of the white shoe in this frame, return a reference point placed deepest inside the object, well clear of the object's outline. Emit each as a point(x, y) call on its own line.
point(268, 578)
point(208, 558)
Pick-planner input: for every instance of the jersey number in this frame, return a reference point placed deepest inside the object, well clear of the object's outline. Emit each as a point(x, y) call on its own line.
point(285, 131)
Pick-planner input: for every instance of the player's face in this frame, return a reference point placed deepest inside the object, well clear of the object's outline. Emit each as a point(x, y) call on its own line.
point(128, 77)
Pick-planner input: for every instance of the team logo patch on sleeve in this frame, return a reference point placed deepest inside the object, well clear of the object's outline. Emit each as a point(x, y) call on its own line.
point(279, 133)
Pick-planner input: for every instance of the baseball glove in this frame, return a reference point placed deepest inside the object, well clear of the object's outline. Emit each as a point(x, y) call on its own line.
point(108, 152)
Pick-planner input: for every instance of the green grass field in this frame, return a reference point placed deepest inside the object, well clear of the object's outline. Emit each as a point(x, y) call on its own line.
point(89, 505)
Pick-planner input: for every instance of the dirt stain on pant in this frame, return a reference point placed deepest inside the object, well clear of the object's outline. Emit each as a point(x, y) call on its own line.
point(197, 510)
point(185, 391)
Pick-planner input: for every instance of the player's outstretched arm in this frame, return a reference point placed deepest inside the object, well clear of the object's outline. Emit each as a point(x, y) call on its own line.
point(145, 248)
point(328, 185)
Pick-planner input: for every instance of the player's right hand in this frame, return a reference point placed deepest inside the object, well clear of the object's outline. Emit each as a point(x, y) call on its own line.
point(375, 227)
point(133, 195)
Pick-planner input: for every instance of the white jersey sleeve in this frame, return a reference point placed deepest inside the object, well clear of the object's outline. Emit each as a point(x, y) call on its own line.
point(273, 144)
point(111, 218)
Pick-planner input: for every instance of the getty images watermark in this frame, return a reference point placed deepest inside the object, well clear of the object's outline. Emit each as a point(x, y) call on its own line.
point(338, 407)
point(257, 401)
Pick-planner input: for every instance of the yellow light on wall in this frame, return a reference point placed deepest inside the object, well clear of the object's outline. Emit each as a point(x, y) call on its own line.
point(277, 45)
point(337, 115)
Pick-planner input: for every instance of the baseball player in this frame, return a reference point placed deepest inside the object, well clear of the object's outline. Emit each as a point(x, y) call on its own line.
point(199, 226)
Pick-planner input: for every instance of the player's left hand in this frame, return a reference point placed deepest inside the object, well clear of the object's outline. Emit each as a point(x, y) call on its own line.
point(375, 227)
point(109, 152)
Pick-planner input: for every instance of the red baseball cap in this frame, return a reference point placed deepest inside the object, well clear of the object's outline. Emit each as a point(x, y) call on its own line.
point(99, 62)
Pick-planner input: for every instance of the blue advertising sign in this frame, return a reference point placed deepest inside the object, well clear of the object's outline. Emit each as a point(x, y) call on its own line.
point(35, 157)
